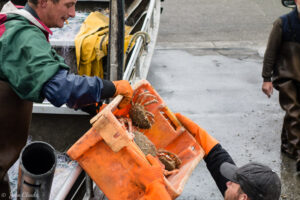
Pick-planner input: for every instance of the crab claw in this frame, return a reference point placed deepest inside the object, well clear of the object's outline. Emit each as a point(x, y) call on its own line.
point(127, 124)
point(168, 173)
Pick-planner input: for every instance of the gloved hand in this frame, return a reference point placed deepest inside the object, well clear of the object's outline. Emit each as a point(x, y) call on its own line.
point(206, 141)
point(153, 179)
point(123, 88)
point(153, 173)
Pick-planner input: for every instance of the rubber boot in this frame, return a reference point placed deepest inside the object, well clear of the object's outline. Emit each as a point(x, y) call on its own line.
point(288, 98)
point(287, 148)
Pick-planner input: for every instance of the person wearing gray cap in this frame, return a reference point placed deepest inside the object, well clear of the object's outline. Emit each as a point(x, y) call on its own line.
point(253, 181)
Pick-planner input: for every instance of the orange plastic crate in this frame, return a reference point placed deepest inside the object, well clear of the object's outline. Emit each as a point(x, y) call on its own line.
point(108, 153)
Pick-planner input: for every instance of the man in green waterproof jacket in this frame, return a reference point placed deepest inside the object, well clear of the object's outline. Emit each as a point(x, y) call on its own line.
point(30, 71)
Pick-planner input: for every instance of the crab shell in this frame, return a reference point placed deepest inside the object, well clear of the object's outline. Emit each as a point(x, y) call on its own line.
point(169, 164)
point(169, 159)
point(146, 146)
point(139, 116)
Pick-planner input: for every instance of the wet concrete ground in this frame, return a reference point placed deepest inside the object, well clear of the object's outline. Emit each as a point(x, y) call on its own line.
point(220, 89)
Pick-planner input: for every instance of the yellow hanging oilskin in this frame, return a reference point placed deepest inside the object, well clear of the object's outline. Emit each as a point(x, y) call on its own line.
point(91, 44)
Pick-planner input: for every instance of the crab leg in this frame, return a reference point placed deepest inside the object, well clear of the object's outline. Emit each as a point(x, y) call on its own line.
point(150, 116)
point(143, 96)
point(166, 156)
point(144, 99)
point(150, 102)
point(129, 125)
point(127, 121)
point(171, 155)
point(168, 173)
point(138, 99)
point(150, 113)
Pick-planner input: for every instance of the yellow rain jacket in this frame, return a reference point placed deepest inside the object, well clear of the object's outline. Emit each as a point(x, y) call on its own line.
point(91, 44)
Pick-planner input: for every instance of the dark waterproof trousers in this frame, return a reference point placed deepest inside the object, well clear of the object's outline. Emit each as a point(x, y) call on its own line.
point(15, 117)
point(287, 82)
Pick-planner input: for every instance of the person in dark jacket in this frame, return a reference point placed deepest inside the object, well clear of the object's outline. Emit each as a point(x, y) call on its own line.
point(253, 181)
point(281, 70)
point(31, 70)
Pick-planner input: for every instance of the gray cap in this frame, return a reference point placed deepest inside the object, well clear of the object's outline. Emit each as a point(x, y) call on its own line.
point(258, 181)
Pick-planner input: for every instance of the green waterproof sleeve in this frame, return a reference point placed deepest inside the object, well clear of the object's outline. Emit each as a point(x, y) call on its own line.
point(27, 60)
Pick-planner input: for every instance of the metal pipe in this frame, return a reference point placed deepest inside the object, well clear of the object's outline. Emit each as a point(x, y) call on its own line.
point(36, 171)
point(89, 187)
point(68, 183)
point(116, 39)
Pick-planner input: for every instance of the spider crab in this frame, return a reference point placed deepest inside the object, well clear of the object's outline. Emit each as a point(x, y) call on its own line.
point(169, 159)
point(140, 116)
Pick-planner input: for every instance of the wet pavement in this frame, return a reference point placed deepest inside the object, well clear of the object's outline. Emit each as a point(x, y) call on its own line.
point(220, 89)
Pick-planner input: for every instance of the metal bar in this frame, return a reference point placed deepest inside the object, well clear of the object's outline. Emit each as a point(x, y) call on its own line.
point(68, 184)
point(89, 187)
point(116, 39)
point(48, 108)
